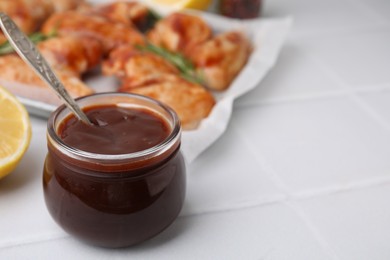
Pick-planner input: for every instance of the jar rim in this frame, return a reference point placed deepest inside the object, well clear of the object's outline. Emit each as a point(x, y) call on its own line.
point(165, 145)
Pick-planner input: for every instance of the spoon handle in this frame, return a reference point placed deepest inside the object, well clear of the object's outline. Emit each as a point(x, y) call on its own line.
point(30, 54)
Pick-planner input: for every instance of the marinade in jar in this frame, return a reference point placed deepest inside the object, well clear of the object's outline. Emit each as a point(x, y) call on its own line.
point(121, 181)
point(115, 130)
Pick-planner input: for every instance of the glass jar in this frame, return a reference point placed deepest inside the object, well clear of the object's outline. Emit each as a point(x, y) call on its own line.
point(243, 9)
point(114, 200)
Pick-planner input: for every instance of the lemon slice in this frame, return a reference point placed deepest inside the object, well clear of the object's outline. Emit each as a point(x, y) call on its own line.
point(15, 132)
point(180, 4)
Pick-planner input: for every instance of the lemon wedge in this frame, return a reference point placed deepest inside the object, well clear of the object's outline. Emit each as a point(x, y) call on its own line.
point(15, 132)
point(180, 4)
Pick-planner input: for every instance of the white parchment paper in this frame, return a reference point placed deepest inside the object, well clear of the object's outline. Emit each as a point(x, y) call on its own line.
point(267, 36)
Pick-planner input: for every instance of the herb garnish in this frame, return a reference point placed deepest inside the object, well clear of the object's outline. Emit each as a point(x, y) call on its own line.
point(183, 64)
point(6, 47)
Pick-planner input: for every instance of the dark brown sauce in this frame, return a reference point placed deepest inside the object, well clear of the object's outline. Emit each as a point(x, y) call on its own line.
point(124, 208)
point(114, 212)
point(117, 130)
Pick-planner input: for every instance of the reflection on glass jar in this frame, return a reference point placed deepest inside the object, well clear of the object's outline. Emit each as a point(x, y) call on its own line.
point(114, 199)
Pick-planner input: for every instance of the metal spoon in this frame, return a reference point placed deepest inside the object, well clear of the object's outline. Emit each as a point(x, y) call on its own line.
point(30, 54)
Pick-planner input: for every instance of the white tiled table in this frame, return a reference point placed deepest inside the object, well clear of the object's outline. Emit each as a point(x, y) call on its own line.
point(303, 171)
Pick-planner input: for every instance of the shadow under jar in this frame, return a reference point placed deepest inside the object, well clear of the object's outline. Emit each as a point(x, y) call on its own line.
point(120, 190)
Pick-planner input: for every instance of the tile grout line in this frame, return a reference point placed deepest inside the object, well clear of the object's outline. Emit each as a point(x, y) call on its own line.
point(285, 199)
point(288, 198)
point(329, 72)
point(310, 34)
point(34, 241)
point(370, 111)
point(368, 10)
point(296, 196)
point(295, 98)
point(361, 6)
point(229, 208)
point(344, 92)
point(354, 95)
point(352, 186)
point(292, 198)
point(312, 227)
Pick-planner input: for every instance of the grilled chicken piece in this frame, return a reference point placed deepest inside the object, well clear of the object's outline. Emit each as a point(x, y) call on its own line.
point(190, 101)
point(180, 32)
point(127, 13)
point(65, 5)
point(111, 34)
point(150, 75)
point(136, 67)
point(69, 56)
point(27, 14)
point(30, 14)
point(20, 79)
point(74, 55)
point(220, 59)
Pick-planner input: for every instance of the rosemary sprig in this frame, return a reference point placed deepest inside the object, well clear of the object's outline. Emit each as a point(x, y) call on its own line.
point(154, 15)
point(185, 66)
point(148, 22)
point(151, 20)
point(6, 47)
